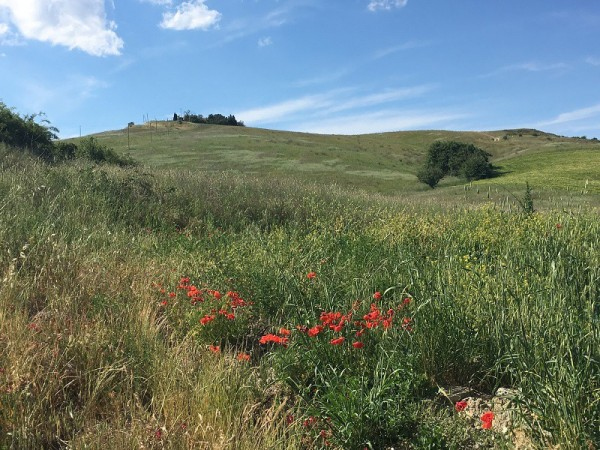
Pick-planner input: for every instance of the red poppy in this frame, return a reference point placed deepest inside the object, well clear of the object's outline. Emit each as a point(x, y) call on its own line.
point(274, 338)
point(172, 294)
point(312, 332)
point(206, 319)
point(214, 348)
point(358, 344)
point(284, 331)
point(377, 295)
point(311, 275)
point(337, 341)
point(243, 357)
point(163, 303)
point(486, 419)
point(460, 406)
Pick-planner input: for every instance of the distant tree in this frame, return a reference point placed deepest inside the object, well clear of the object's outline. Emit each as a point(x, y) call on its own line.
point(456, 159)
point(175, 118)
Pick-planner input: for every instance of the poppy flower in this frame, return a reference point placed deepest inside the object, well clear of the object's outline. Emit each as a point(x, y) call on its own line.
point(460, 406)
point(311, 275)
point(243, 357)
point(214, 348)
point(275, 339)
point(358, 344)
point(284, 331)
point(337, 341)
point(377, 295)
point(486, 419)
point(312, 332)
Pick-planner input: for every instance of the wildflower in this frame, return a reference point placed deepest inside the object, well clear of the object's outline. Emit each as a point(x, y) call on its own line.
point(275, 339)
point(284, 331)
point(172, 294)
point(216, 294)
point(460, 406)
point(486, 419)
point(158, 434)
point(337, 341)
point(243, 357)
point(358, 344)
point(311, 275)
point(312, 332)
point(406, 301)
point(206, 319)
point(214, 348)
point(163, 303)
point(377, 295)
point(309, 422)
point(406, 323)
point(289, 419)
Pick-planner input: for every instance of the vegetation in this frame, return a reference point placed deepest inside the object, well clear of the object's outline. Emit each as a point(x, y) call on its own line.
point(163, 308)
point(456, 159)
point(25, 134)
point(212, 119)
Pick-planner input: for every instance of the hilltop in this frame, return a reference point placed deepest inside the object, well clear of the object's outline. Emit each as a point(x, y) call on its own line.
point(384, 163)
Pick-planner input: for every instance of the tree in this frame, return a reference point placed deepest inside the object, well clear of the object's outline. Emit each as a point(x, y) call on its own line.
point(456, 159)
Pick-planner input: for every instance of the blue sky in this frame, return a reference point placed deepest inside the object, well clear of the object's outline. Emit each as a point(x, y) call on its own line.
point(335, 66)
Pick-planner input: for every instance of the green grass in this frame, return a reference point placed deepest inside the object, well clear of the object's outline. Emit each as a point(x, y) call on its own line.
point(94, 355)
point(383, 163)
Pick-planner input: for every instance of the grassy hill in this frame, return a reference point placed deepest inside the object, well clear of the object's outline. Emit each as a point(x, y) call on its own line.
point(386, 163)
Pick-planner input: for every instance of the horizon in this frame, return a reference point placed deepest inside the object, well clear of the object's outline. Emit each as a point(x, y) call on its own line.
point(344, 67)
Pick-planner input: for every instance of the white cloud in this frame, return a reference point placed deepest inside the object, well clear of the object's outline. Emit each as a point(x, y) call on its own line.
point(593, 61)
point(158, 2)
point(375, 5)
point(80, 24)
point(573, 116)
point(381, 121)
point(322, 106)
point(265, 41)
point(190, 16)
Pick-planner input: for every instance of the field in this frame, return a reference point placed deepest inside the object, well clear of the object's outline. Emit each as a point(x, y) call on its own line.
point(250, 288)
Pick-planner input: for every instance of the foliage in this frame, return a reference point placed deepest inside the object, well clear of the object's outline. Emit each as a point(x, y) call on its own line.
point(26, 133)
point(213, 119)
point(456, 159)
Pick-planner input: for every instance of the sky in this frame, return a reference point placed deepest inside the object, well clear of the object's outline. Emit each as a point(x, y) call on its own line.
point(319, 66)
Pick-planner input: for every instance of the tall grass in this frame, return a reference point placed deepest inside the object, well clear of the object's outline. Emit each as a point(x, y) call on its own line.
point(94, 355)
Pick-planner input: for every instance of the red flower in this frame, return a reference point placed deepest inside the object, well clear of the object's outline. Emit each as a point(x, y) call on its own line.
point(406, 301)
point(486, 419)
point(311, 275)
point(206, 319)
point(214, 348)
point(158, 434)
point(284, 331)
point(274, 338)
point(163, 303)
point(172, 294)
point(312, 332)
point(377, 295)
point(289, 419)
point(243, 357)
point(337, 341)
point(460, 406)
point(358, 344)
point(216, 294)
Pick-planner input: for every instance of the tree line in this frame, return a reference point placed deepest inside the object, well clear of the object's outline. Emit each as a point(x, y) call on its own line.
point(213, 119)
point(33, 133)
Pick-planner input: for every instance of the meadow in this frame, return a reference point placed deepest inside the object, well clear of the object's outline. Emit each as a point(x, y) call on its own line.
point(209, 299)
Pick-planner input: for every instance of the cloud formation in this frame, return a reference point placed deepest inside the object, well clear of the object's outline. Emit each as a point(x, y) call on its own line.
point(190, 15)
point(75, 24)
point(375, 5)
point(265, 41)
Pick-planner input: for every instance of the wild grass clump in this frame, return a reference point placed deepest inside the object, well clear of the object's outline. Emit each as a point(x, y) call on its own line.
point(173, 310)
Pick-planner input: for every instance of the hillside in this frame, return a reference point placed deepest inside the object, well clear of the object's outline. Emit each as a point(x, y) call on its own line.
point(383, 163)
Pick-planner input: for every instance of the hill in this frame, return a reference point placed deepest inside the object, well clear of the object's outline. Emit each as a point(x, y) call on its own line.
point(384, 163)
